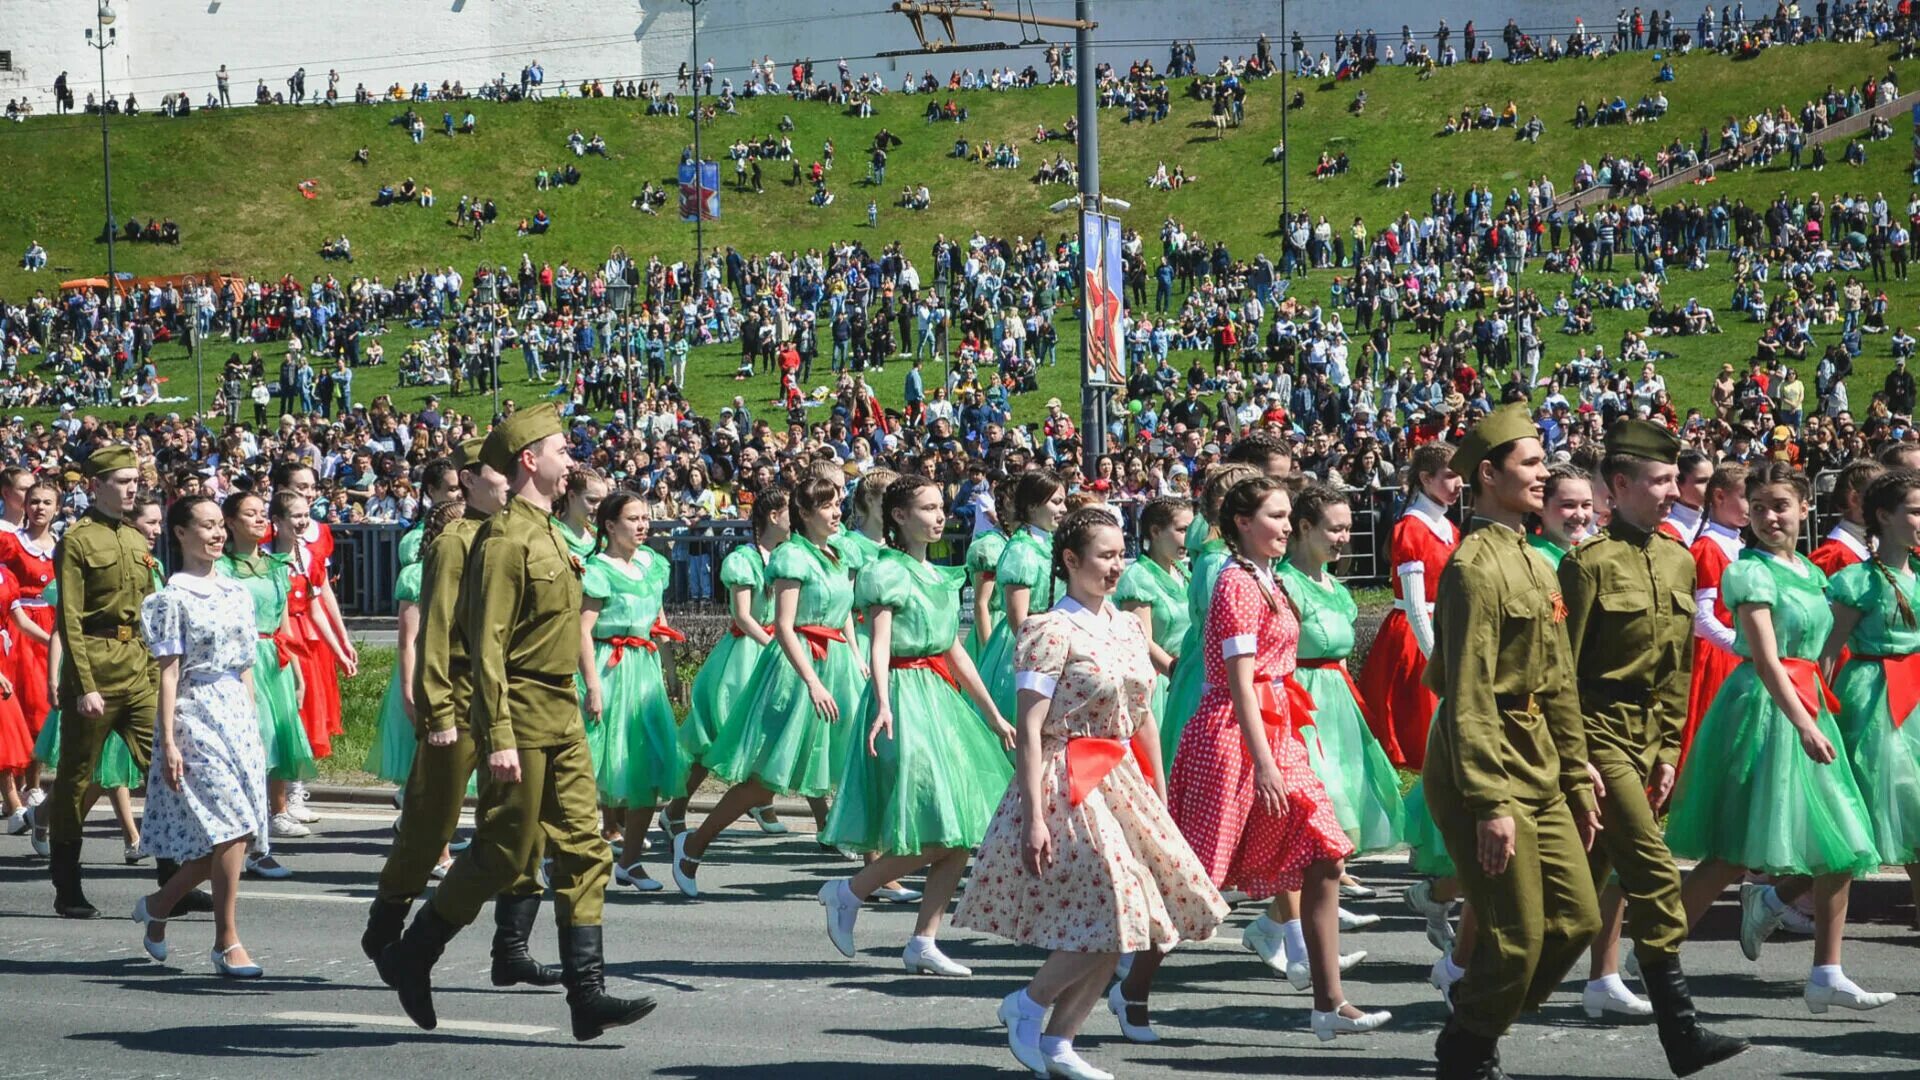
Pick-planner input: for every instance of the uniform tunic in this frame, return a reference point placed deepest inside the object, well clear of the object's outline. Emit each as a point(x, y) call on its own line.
point(116, 768)
point(1399, 703)
point(733, 658)
point(1164, 593)
point(1883, 748)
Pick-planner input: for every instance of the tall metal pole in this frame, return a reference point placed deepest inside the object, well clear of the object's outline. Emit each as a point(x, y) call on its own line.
point(700, 201)
point(101, 17)
point(193, 341)
point(1093, 398)
point(1286, 148)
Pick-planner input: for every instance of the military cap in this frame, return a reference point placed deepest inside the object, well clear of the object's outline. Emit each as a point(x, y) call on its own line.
point(467, 454)
point(1644, 439)
point(1508, 423)
point(110, 457)
point(516, 433)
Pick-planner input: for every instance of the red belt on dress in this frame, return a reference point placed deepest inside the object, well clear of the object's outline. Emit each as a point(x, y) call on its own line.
point(1903, 683)
point(817, 638)
point(1335, 663)
point(733, 628)
point(1090, 759)
point(1300, 704)
point(280, 646)
point(620, 643)
point(1810, 686)
point(936, 663)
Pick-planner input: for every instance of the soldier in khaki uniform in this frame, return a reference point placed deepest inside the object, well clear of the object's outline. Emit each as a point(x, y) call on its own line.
point(522, 628)
point(1629, 602)
point(444, 760)
point(108, 679)
point(1506, 773)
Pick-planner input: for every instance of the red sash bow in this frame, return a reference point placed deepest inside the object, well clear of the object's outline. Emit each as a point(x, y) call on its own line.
point(1090, 759)
point(733, 628)
point(1334, 663)
point(281, 647)
point(817, 637)
point(1903, 683)
point(664, 632)
point(936, 663)
point(621, 643)
point(1810, 686)
point(1300, 704)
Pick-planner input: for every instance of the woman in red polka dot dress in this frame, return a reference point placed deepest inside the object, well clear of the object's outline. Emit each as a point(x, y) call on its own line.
point(1241, 789)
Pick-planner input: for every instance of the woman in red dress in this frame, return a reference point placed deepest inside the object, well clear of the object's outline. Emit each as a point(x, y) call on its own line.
point(1847, 544)
point(27, 555)
point(1718, 545)
point(1399, 705)
point(317, 648)
point(1241, 789)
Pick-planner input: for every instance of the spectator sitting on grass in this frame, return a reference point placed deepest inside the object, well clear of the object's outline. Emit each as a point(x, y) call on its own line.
point(35, 259)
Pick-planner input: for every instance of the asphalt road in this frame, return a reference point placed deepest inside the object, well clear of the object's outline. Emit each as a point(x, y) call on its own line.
point(749, 986)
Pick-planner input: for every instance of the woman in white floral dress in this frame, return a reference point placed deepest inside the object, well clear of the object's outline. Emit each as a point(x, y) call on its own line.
point(207, 790)
point(1100, 869)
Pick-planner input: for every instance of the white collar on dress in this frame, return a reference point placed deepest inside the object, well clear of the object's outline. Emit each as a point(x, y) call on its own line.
point(1853, 538)
point(1728, 539)
point(1433, 516)
point(199, 586)
point(1685, 518)
point(1085, 616)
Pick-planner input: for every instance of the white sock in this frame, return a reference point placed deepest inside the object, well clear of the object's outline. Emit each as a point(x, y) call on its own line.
point(1831, 975)
point(1771, 898)
point(1611, 982)
point(846, 894)
point(1030, 1007)
point(1296, 939)
point(922, 944)
point(1055, 1046)
point(1454, 971)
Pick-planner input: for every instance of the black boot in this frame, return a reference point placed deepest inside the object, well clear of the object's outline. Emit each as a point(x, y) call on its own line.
point(513, 923)
point(385, 921)
point(68, 901)
point(594, 1010)
point(1463, 1055)
point(195, 902)
point(1689, 1046)
point(407, 964)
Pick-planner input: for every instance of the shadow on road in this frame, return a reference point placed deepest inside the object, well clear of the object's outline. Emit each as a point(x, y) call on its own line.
point(276, 1040)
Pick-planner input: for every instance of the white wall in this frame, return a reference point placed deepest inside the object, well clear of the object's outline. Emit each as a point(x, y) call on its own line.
point(172, 45)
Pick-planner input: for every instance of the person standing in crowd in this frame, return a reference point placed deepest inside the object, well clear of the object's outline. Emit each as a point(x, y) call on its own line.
point(521, 622)
point(1713, 551)
point(1629, 628)
point(1081, 857)
point(733, 658)
point(1847, 544)
point(1771, 789)
point(1189, 676)
point(1399, 704)
point(1683, 521)
point(919, 788)
point(275, 675)
point(1021, 577)
point(1506, 775)
point(640, 766)
point(1154, 588)
point(206, 791)
point(775, 739)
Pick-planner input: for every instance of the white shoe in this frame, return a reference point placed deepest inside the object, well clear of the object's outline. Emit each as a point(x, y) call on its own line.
point(35, 796)
point(18, 822)
point(1263, 937)
point(1820, 998)
point(1796, 922)
point(267, 867)
point(297, 805)
point(1328, 1026)
point(1117, 1005)
point(460, 845)
point(929, 960)
point(39, 838)
point(1442, 978)
point(441, 870)
point(763, 817)
point(902, 895)
point(133, 855)
point(843, 908)
point(1757, 920)
point(1350, 921)
point(1419, 897)
point(1023, 1031)
point(1604, 996)
point(1074, 1067)
point(688, 886)
point(640, 880)
point(155, 949)
point(285, 826)
point(1300, 974)
point(1353, 890)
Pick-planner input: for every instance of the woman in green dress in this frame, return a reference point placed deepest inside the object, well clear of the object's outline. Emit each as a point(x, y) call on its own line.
point(1874, 605)
point(1024, 575)
point(859, 546)
point(577, 508)
point(1154, 587)
point(640, 765)
point(391, 755)
point(1767, 786)
point(775, 739)
point(439, 485)
point(983, 558)
point(276, 679)
point(1188, 678)
point(726, 668)
point(920, 788)
point(1567, 517)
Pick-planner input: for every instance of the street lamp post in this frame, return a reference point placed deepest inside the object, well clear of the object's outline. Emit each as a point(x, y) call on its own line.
point(101, 39)
point(700, 193)
point(1094, 393)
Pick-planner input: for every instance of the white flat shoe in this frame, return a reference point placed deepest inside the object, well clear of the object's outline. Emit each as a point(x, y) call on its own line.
point(441, 870)
point(641, 881)
point(18, 822)
point(458, 846)
point(267, 867)
point(1074, 1067)
point(39, 838)
point(284, 826)
point(1328, 1026)
point(1350, 921)
point(1353, 890)
point(1023, 1033)
point(1599, 999)
point(1262, 937)
point(155, 949)
point(929, 960)
point(763, 817)
point(1117, 1005)
point(843, 909)
point(1796, 922)
point(234, 971)
point(901, 895)
point(1301, 974)
point(1419, 897)
point(1757, 920)
point(1441, 979)
point(1821, 998)
point(688, 886)
point(133, 855)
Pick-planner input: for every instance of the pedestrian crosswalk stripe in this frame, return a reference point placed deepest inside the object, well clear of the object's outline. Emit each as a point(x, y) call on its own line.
point(381, 1020)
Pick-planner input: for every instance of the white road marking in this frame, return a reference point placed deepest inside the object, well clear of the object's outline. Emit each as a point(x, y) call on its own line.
point(377, 1020)
point(317, 898)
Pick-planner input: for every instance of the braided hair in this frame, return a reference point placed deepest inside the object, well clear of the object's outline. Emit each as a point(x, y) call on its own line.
point(1884, 496)
point(900, 494)
point(1076, 531)
point(813, 495)
point(1244, 500)
point(1221, 480)
point(443, 515)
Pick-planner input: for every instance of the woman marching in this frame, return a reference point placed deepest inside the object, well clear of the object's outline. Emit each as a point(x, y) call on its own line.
point(1772, 790)
point(317, 649)
point(1154, 588)
point(276, 674)
point(16, 737)
point(28, 557)
point(920, 790)
point(983, 559)
point(206, 791)
point(1021, 576)
point(1399, 705)
point(1081, 857)
point(775, 739)
point(1716, 548)
point(1567, 517)
point(1241, 789)
point(577, 509)
point(749, 632)
point(626, 694)
point(1879, 687)
point(1189, 674)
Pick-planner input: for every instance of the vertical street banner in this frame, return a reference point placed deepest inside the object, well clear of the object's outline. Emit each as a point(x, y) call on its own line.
point(1104, 287)
point(700, 201)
